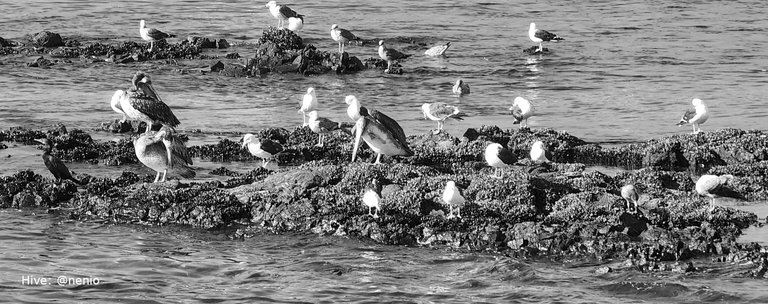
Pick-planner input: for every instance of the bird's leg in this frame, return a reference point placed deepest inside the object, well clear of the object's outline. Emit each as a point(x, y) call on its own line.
point(458, 212)
point(378, 159)
point(376, 215)
point(450, 213)
point(369, 211)
point(712, 205)
point(157, 177)
point(694, 128)
point(164, 173)
point(319, 140)
point(304, 116)
point(149, 127)
point(541, 47)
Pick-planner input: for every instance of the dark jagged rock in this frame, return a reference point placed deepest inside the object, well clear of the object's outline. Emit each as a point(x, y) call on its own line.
point(47, 39)
point(40, 62)
point(6, 43)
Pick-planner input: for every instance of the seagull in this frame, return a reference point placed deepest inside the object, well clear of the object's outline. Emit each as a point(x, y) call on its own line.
point(354, 110)
point(630, 194)
point(708, 185)
point(152, 34)
point(142, 103)
point(460, 89)
point(390, 55)
point(265, 149)
point(295, 24)
point(452, 197)
point(342, 36)
point(539, 36)
point(162, 151)
point(539, 153)
point(499, 157)
point(440, 111)
point(54, 164)
point(116, 99)
point(382, 134)
point(308, 104)
point(438, 50)
point(521, 110)
point(281, 12)
point(372, 198)
point(321, 125)
point(696, 116)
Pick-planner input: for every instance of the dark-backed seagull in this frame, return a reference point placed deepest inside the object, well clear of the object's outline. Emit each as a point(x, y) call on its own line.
point(499, 157)
point(440, 111)
point(265, 149)
point(695, 116)
point(281, 12)
point(342, 36)
point(321, 125)
point(539, 36)
point(152, 34)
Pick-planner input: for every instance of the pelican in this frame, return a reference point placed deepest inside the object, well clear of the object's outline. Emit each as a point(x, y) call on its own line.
point(116, 99)
point(390, 55)
point(440, 111)
point(54, 164)
point(452, 197)
point(521, 110)
point(630, 194)
point(695, 116)
point(265, 149)
point(163, 151)
point(709, 184)
point(342, 36)
point(460, 89)
point(438, 50)
point(308, 104)
point(152, 34)
point(321, 125)
point(281, 12)
point(539, 153)
point(382, 133)
point(539, 36)
point(499, 158)
point(142, 103)
point(295, 24)
point(372, 198)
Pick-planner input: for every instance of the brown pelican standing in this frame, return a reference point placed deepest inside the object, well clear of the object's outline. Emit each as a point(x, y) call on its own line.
point(142, 103)
point(308, 104)
point(382, 133)
point(342, 36)
point(695, 116)
point(265, 149)
point(163, 151)
point(452, 197)
point(152, 34)
point(321, 125)
point(54, 164)
point(539, 36)
point(438, 50)
point(281, 12)
point(440, 111)
point(499, 158)
point(521, 109)
point(390, 55)
point(709, 185)
point(630, 194)
point(372, 198)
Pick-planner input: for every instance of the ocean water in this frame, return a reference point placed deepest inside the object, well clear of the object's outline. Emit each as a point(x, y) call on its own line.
point(625, 73)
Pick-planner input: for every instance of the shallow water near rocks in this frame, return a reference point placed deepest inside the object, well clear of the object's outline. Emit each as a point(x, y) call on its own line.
point(624, 74)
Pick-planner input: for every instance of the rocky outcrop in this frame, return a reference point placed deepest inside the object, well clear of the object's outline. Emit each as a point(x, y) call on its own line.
point(47, 39)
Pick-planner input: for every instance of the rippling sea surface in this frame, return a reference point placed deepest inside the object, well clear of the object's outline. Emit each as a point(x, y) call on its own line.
point(625, 73)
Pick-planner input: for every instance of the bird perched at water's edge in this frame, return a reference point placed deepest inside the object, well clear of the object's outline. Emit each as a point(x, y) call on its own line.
point(163, 151)
point(539, 36)
point(282, 13)
point(308, 104)
point(321, 125)
point(440, 111)
point(265, 149)
point(342, 36)
point(499, 157)
point(521, 109)
point(710, 185)
point(695, 116)
point(540, 153)
point(152, 34)
point(372, 197)
point(142, 103)
point(390, 55)
point(452, 197)
point(54, 164)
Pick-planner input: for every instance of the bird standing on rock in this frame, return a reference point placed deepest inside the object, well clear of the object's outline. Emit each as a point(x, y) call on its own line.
point(539, 153)
point(263, 148)
point(372, 198)
point(440, 111)
point(539, 36)
point(152, 34)
point(390, 55)
point(695, 116)
point(142, 103)
point(342, 36)
point(308, 104)
point(709, 185)
point(630, 195)
point(282, 13)
point(499, 158)
point(452, 197)
point(163, 151)
point(521, 109)
point(54, 164)
point(321, 125)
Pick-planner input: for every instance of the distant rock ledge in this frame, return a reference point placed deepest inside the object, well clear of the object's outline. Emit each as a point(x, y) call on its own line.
point(561, 211)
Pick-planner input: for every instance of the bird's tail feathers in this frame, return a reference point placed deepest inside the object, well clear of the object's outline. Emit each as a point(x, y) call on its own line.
point(184, 171)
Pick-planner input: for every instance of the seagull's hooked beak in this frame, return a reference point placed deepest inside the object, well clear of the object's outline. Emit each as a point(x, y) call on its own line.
point(359, 128)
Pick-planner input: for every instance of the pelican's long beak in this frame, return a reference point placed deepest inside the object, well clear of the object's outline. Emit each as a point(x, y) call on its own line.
point(359, 127)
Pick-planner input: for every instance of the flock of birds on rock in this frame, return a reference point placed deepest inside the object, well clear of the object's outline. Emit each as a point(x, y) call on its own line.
point(163, 150)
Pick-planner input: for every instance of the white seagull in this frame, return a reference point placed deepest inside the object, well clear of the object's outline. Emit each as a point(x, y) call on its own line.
point(390, 55)
point(539, 36)
point(438, 50)
point(342, 36)
point(152, 34)
point(460, 88)
point(521, 109)
point(372, 198)
point(499, 158)
point(539, 153)
point(295, 24)
point(281, 12)
point(440, 111)
point(115, 102)
point(630, 194)
point(265, 149)
point(695, 116)
point(709, 184)
point(354, 110)
point(308, 104)
point(452, 197)
point(321, 125)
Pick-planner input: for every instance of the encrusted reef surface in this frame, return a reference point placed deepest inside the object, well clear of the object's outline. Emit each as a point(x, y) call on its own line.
point(563, 210)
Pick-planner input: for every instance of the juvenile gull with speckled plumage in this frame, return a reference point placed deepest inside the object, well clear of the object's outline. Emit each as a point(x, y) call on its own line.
point(695, 116)
point(440, 111)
